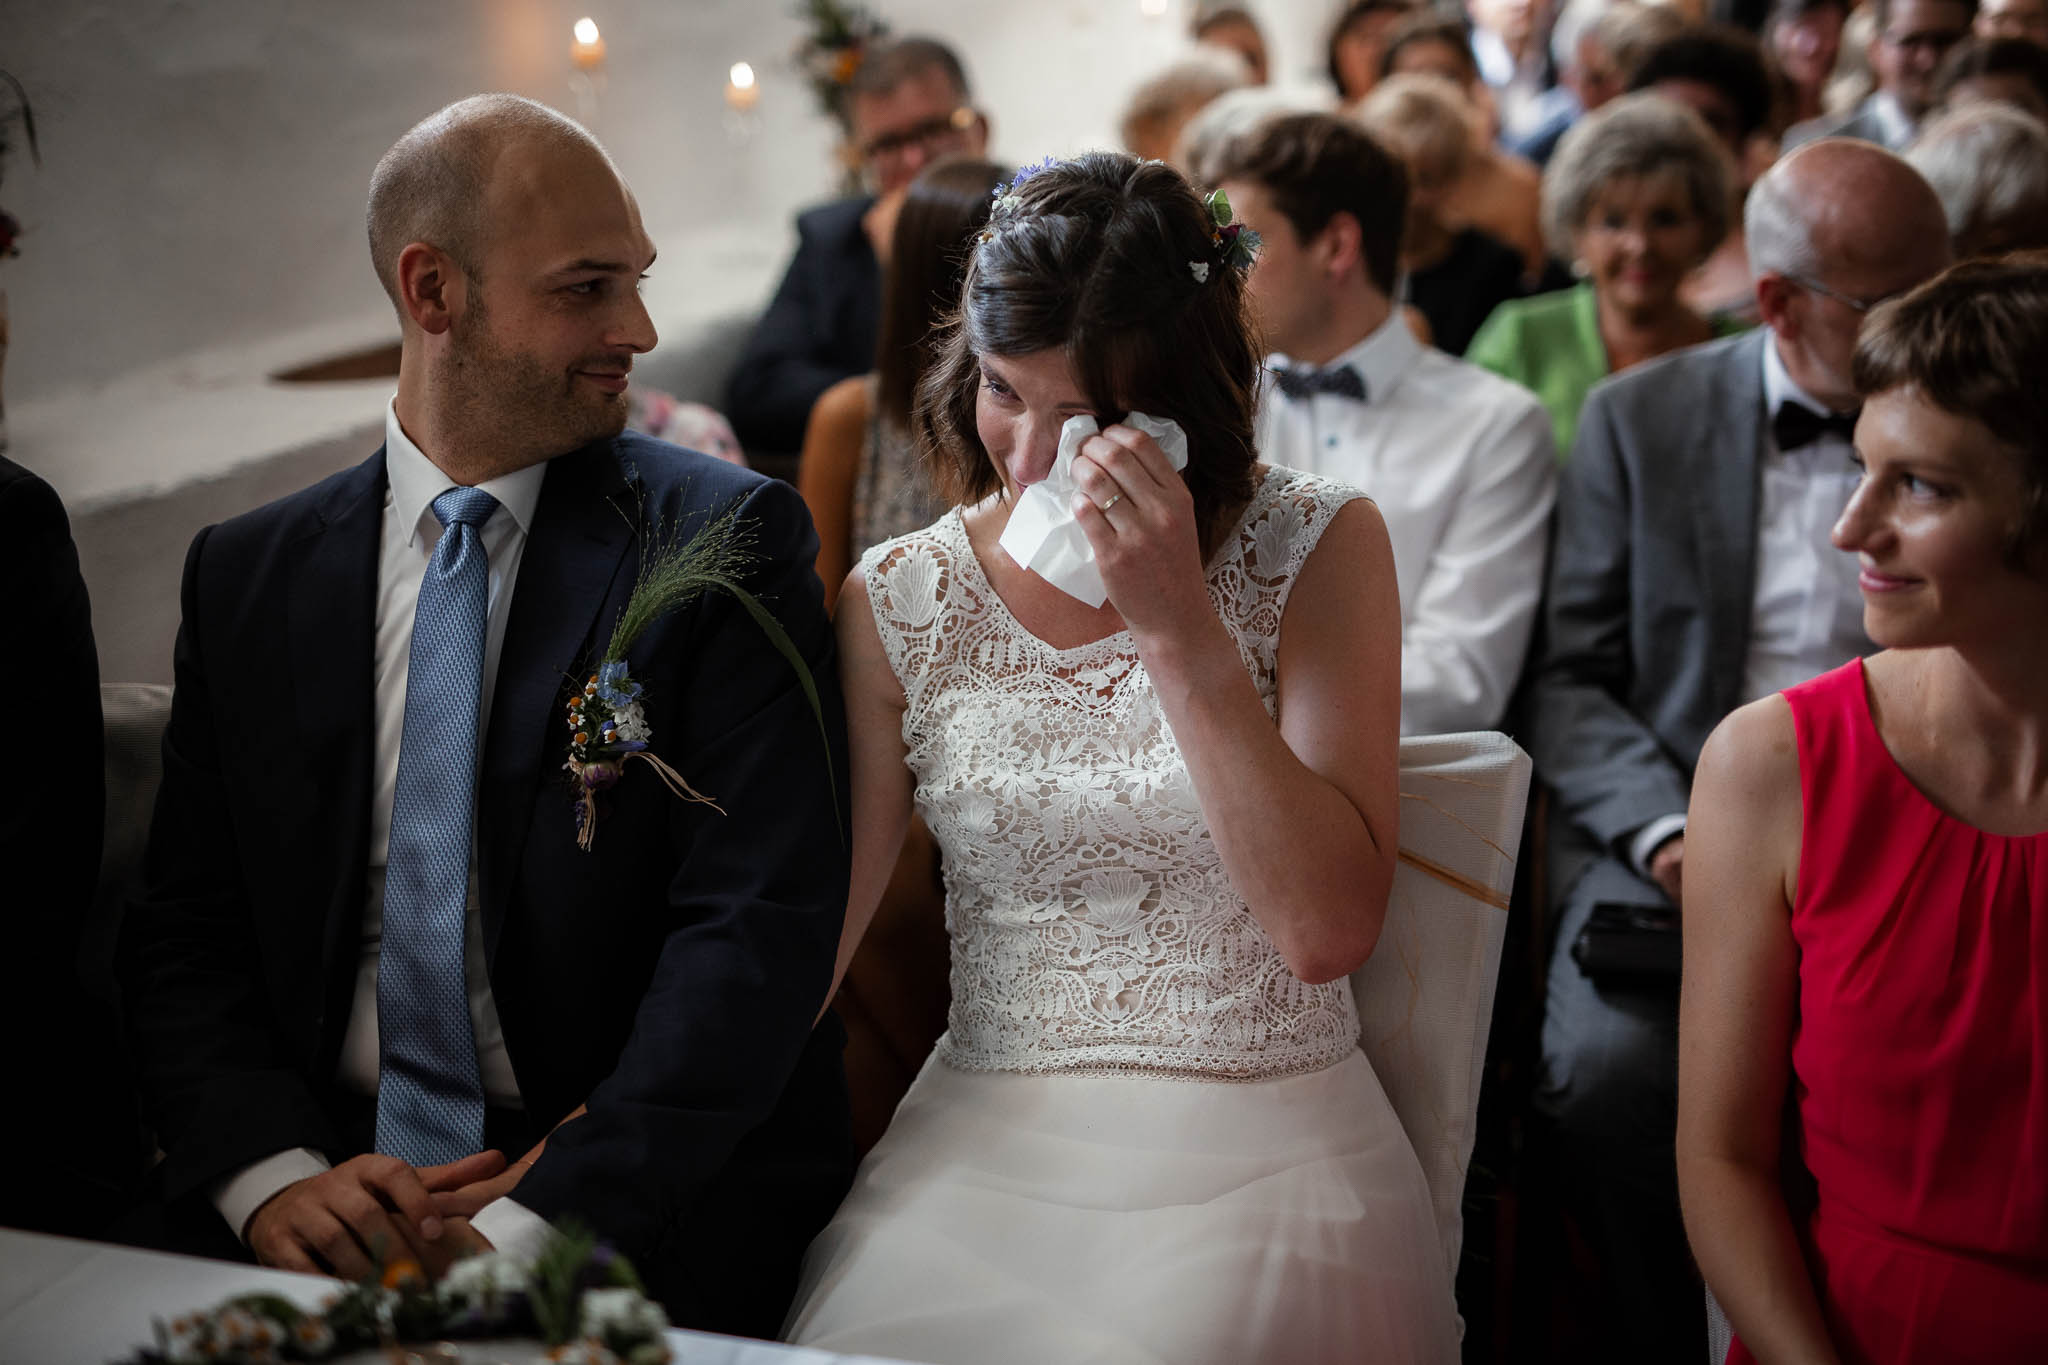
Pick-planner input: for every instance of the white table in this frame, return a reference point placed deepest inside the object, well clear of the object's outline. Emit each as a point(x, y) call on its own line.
point(67, 1302)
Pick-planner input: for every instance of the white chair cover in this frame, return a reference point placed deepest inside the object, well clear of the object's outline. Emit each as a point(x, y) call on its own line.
point(1425, 997)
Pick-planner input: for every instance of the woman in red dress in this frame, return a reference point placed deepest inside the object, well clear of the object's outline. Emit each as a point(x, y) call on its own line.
point(1867, 889)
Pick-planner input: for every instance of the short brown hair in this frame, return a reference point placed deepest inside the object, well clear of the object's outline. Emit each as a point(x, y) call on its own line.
point(1316, 166)
point(1094, 260)
point(1974, 340)
point(942, 210)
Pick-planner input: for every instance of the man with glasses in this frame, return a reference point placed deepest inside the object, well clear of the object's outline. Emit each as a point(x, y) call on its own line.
point(1691, 572)
point(2026, 19)
point(1912, 37)
point(906, 108)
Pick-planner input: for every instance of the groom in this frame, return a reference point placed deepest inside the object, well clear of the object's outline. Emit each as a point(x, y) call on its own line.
point(371, 954)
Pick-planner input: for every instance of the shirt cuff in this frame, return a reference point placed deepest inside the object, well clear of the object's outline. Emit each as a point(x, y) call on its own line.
point(1650, 838)
point(249, 1189)
point(511, 1227)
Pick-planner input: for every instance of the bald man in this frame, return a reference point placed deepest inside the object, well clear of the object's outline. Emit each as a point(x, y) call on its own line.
point(1691, 573)
point(372, 963)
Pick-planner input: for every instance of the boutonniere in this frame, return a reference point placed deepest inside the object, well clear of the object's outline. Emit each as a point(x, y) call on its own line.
point(606, 718)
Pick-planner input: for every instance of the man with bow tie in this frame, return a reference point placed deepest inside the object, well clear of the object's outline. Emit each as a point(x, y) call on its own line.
point(1692, 572)
point(1460, 461)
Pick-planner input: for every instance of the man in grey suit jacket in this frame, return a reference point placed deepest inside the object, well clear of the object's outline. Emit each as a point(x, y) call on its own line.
point(1692, 572)
point(1911, 39)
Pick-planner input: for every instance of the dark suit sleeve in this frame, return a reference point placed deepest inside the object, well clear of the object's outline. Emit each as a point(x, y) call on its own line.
point(219, 1088)
point(755, 906)
point(792, 357)
point(1608, 770)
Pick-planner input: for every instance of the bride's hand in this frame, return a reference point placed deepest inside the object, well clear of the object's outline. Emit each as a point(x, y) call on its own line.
point(1138, 515)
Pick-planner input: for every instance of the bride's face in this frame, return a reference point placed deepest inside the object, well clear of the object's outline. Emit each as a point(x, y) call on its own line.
point(1022, 403)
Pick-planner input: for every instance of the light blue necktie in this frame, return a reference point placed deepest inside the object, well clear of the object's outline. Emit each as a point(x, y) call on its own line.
point(430, 1098)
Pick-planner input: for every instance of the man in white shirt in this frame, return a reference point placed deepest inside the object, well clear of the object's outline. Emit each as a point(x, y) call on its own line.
point(1461, 462)
point(371, 961)
point(1905, 53)
point(1692, 573)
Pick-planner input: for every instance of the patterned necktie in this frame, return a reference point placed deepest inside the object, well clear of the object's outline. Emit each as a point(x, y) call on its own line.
point(1794, 425)
point(1300, 381)
point(430, 1098)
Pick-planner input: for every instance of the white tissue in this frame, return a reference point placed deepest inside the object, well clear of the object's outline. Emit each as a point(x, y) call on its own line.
point(1043, 535)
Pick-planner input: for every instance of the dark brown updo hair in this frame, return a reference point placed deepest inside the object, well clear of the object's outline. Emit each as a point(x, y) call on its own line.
point(1099, 259)
point(1973, 341)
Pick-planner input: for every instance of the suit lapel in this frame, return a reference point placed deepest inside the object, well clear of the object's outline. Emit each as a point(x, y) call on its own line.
point(584, 522)
point(1727, 463)
point(330, 597)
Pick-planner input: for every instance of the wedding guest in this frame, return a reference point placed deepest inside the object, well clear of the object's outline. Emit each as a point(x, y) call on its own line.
point(1511, 46)
point(1691, 572)
point(1989, 165)
point(1719, 74)
point(1500, 193)
point(1458, 461)
point(861, 477)
point(2013, 19)
point(1801, 41)
point(1455, 275)
point(1636, 197)
point(1866, 902)
point(2010, 71)
point(1358, 44)
point(373, 955)
point(1234, 114)
point(1168, 822)
point(1595, 45)
point(1162, 106)
point(1912, 37)
point(908, 105)
point(1233, 29)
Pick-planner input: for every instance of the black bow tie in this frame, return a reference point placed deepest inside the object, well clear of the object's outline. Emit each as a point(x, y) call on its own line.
point(1300, 381)
point(1794, 425)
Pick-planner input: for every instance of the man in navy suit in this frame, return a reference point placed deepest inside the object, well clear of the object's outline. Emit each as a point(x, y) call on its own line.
point(906, 108)
point(637, 1019)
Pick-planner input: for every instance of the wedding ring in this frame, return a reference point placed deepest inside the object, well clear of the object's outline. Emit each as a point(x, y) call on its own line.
point(1113, 501)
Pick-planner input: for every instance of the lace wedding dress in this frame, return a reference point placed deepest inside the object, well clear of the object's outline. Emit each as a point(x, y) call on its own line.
point(1141, 1137)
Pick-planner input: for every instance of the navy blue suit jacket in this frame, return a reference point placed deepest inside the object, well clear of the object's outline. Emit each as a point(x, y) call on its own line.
point(668, 978)
point(820, 328)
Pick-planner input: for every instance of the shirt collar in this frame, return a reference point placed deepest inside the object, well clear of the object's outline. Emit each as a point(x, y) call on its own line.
point(416, 481)
point(1381, 357)
point(1779, 386)
point(1892, 119)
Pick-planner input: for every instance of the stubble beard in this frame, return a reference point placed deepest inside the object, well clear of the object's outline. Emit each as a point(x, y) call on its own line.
point(513, 403)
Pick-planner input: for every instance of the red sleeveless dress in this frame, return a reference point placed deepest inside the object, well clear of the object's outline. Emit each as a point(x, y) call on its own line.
point(1919, 1055)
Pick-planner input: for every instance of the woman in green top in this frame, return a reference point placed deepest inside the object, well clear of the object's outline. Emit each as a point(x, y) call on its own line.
point(1636, 197)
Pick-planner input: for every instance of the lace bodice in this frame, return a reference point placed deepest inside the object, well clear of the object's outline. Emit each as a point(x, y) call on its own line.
point(1093, 926)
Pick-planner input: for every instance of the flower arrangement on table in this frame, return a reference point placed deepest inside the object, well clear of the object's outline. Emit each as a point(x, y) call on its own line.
point(579, 1297)
point(607, 723)
point(831, 52)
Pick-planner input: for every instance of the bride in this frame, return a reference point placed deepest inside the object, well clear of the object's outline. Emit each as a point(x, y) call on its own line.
point(1169, 828)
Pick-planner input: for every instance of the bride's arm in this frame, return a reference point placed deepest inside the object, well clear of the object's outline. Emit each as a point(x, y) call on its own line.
point(879, 777)
point(1305, 815)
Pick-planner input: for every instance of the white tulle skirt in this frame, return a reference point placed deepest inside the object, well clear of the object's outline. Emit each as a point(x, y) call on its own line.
point(1009, 1217)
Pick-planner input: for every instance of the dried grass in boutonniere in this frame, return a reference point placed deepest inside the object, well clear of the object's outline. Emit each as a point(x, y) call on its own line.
point(607, 722)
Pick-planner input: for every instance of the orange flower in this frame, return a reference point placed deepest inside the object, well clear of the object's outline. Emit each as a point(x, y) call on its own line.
point(402, 1270)
point(582, 738)
point(845, 64)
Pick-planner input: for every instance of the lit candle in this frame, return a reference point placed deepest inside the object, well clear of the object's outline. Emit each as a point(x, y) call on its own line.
point(740, 90)
point(588, 49)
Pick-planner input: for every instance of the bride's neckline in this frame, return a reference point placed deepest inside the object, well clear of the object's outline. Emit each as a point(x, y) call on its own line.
point(958, 517)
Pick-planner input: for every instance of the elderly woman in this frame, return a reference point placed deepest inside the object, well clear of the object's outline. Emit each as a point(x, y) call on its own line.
point(1867, 889)
point(1161, 107)
point(1455, 274)
point(1636, 198)
point(1989, 165)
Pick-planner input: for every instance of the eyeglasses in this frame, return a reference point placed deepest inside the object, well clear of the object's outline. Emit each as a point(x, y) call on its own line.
point(1853, 304)
point(1934, 42)
point(934, 134)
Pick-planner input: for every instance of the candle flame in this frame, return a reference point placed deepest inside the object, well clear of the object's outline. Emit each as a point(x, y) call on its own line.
point(586, 30)
point(742, 76)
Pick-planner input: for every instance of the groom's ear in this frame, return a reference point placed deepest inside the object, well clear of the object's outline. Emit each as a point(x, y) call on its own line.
point(431, 287)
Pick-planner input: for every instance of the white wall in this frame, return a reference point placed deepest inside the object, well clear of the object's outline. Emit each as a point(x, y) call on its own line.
point(197, 217)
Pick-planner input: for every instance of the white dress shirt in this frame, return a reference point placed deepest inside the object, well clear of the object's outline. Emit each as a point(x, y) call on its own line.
point(410, 533)
point(1518, 87)
point(1806, 615)
point(1464, 469)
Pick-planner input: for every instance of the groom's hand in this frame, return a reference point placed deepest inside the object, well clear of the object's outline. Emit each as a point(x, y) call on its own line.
point(346, 1221)
point(463, 1197)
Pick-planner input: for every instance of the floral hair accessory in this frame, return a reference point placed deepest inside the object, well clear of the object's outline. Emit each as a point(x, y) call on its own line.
point(1236, 244)
point(1006, 201)
point(607, 723)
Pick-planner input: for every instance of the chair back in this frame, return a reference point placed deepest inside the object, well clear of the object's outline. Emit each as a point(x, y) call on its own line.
point(1425, 997)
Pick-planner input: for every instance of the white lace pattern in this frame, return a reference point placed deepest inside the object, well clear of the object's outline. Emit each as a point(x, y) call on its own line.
point(1093, 926)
